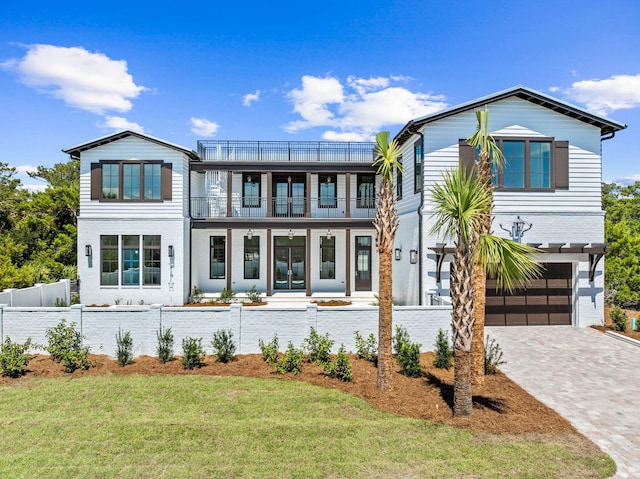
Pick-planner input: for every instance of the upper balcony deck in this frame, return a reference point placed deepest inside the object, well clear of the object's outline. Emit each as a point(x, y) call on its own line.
point(360, 153)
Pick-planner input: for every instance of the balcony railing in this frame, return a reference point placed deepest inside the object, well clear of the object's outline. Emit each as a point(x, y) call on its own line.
point(286, 151)
point(252, 207)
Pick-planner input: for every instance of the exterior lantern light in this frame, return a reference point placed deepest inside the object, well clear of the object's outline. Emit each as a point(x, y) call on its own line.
point(290, 234)
point(329, 233)
point(88, 251)
point(413, 256)
point(518, 229)
point(249, 233)
point(398, 254)
point(171, 251)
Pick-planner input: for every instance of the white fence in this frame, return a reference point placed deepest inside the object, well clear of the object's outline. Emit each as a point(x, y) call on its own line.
point(38, 295)
point(248, 324)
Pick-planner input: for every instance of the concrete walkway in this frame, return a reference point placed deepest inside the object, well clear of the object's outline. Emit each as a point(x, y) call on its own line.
point(591, 379)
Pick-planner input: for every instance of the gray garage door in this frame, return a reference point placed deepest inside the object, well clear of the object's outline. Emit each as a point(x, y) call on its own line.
point(545, 301)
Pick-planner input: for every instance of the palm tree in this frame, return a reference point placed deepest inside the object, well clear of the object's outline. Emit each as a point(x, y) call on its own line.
point(461, 205)
point(490, 158)
point(386, 224)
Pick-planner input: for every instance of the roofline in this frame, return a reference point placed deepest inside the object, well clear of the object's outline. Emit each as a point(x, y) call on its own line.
point(606, 125)
point(76, 150)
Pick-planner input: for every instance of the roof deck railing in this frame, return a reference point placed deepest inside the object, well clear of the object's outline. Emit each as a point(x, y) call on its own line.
point(286, 151)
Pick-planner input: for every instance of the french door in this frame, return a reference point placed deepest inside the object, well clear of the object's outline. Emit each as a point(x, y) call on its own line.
point(289, 262)
point(288, 196)
point(363, 263)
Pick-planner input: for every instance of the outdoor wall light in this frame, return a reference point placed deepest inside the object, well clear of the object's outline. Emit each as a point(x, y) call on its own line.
point(329, 234)
point(413, 256)
point(171, 252)
point(398, 254)
point(518, 229)
point(249, 233)
point(290, 234)
point(87, 250)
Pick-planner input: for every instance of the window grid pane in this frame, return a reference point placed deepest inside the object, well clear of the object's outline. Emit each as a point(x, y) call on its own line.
point(151, 260)
point(152, 181)
point(110, 181)
point(327, 257)
point(366, 191)
point(327, 193)
point(131, 182)
point(540, 164)
point(109, 260)
point(252, 257)
point(218, 253)
point(513, 172)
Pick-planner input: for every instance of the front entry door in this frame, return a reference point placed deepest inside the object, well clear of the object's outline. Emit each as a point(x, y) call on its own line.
point(289, 196)
point(289, 262)
point(363, 263)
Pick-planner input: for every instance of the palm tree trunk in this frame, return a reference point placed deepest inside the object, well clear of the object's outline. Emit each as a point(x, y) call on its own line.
point(477, 344)
point(385, 319)
point(462, 394)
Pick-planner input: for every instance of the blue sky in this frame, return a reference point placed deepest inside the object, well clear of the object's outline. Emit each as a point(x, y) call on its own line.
point(334, 70)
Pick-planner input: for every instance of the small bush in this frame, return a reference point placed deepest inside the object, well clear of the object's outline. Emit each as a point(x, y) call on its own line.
point(401, 337)
point(14, 358)
point(367, 349)
point(408, 353)
point(341, 368)
point(124, 343)
point(61, 303)
point(318, 347)
point(165, 345)
point(65, 346)
point(618, 319)
point(223, 345)
point(270, 350)
point(192, 353)
point(291, 362)
point(492, 356)
point(253, 295)
point(196, 294)
point(226, 296)
point(443, 352)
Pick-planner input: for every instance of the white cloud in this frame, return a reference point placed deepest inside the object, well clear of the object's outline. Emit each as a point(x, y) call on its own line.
point(250, 98)
point(34, 188)
point(358, 109)
point(605, 96)
point(118, 123)
point(24, 169)
point(626, 180)
point(82, 79)
point(203, 127)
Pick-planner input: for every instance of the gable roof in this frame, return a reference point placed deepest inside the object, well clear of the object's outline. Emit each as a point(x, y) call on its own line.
point(607, 126)
point(76, 150)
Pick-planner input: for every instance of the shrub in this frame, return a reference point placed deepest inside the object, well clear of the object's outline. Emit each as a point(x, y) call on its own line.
point(318, 347)
point(291, 362)
point(165, 345)
point(367, 349)
point(270, 350)
point(443, 351)
point(14, 358)
point(408, 353)
point(61, 303)
point(65, 346)
point(492, 356)
point(253, 295)
point(401, 337)
point(341, 368)
point(618, 319)
point(226, 296)
point(196, 294)
point(192, 353)
point(223, 345)
point(124, 343)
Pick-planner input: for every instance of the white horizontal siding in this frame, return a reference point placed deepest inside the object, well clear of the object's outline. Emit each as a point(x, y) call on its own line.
point(134, 149)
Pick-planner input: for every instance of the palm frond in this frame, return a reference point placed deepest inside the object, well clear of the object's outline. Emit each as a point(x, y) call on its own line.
point(484, 142)
point(387, 159)
point(510, 262)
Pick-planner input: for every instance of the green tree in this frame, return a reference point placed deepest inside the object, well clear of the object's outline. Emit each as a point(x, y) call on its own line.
point(386, 224)
point(461, 204)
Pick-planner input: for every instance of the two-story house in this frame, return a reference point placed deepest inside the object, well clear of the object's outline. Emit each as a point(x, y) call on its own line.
point(157, 219)
point(548, 195)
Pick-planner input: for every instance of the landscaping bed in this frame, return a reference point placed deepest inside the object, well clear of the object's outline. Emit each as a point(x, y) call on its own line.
point(608, 323)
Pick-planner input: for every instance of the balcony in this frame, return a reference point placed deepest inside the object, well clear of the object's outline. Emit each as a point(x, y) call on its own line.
point(286, 151)
point(218, 207)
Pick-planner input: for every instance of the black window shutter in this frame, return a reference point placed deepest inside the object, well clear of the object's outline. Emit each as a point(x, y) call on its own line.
point(96, 180)
point(167, 186)
point(561, 165)
point(467, 155)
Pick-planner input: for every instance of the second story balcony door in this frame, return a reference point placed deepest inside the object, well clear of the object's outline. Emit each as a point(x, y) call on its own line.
point(289, 194)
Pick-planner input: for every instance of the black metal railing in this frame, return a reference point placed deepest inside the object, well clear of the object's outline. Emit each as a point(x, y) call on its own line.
point(288, 207)
point(286, 151)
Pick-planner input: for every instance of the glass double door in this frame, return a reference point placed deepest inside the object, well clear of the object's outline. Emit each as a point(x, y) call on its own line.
point(289, 196)
point(289, 262)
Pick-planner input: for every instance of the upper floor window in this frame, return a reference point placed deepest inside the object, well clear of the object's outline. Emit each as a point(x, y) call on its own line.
point(536, 163)
point(131, 181)
point(326, 191)
point(417, 166)
point(399, 180)
point(366, 191)
point(250, 190)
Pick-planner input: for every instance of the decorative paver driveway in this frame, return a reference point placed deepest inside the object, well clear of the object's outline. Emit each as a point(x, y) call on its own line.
point(591, 379)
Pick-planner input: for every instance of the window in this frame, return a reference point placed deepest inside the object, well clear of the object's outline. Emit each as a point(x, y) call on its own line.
point(130, 260)
point(399, 180)
point(131, 181)
point(529, 163)
point(218, 255)
point(252, 257)
point(109, 260)
point(326, 191)
point(366, 191)
point(327, 257)
point(151, 260)
point(417, 166)
point(250, 190)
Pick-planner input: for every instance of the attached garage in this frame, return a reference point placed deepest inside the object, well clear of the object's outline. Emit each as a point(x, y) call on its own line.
point(545, 301)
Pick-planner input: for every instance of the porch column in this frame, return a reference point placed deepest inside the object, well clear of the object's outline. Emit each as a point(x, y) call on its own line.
point(229, 194)
point(269, 250)
point(269, 199)
point(347, 210)
point(228, 259)
point(347, 291)
point(307, 208)
point(307, 265)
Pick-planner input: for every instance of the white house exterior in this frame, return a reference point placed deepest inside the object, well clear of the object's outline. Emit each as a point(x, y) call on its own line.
point(551, 181)
point(158, 219)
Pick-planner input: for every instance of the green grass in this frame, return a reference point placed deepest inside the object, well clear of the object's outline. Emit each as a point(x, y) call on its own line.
point(207, 427)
